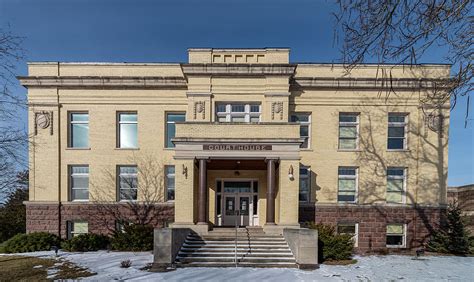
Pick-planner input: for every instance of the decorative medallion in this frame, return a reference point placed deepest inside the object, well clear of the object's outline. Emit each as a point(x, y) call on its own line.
point(200, 108)
point(277, 108)
point(434, 122)
point(44, 120)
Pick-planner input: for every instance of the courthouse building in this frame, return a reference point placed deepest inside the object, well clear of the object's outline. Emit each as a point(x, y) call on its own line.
point(239, 136)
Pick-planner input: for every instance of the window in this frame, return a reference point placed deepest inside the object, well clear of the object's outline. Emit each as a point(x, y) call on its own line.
point(171, 119)
point(305, 180)
point(120, 225)
point(305, 127)
point(349, 229)
point(75, 228)
point(348, 131)
point(396, 179)
point(79, 130)
point(347, 184)
point(128, 130)
point(238, 112)
point(397, 131)
point(79, 182)
point(396, 235)
point(128, 183)
point(170, 184)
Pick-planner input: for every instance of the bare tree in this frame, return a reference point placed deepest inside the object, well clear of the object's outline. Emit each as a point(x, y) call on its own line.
point(402, 31)
point(13, 139)
point(139, 202)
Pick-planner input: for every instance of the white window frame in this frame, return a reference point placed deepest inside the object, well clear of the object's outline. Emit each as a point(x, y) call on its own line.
point(355, 237)
point(404, 238)
point(70, 228)
point(119, 196)
point(168, 176)
point(304, 123)
point(307, 178)
point(403, 124)
point(119, 128)
point(246, 114)
point(167, 121)
point(356, 177)
point(349, 124)
point(71, 176)
point(70, 128)
point(395, 177)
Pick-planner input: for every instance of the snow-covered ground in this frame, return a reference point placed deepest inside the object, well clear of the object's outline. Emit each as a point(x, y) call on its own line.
point(374, 268)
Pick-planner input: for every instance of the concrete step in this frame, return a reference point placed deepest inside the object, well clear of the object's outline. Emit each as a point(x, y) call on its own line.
point(239, 254)
point(253, 246)
point(240, 264)
point(230, 259)
point(247, 242)
point(232, 250)
point(196, 238)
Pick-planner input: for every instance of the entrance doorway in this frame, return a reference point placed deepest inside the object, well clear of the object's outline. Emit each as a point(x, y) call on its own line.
point(237, 202)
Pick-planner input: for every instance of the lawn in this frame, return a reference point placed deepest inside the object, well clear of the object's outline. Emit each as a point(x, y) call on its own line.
point(14, 268)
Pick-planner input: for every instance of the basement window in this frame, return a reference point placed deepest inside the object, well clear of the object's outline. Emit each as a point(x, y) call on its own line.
point(396, 235)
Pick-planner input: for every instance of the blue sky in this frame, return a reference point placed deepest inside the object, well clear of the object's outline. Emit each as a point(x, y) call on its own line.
point(161, 31)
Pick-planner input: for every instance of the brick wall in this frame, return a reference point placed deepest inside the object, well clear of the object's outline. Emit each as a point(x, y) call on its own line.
point(372, 221)
point(100, 218)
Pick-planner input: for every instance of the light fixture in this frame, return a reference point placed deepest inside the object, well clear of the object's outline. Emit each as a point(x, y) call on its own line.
point(290, 173)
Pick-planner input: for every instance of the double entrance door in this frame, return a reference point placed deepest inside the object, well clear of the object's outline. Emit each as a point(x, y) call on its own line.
point(239, 203)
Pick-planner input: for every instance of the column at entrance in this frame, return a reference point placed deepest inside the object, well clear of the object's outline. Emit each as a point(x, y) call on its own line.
point(270, 192)
point(202, 198)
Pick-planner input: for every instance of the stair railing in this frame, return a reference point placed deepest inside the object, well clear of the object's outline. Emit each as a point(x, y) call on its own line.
point(237, 217)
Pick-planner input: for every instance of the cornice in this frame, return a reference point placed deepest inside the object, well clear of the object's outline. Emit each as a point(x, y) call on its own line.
point(367, 83)
point(239, 69)
point(102, 82)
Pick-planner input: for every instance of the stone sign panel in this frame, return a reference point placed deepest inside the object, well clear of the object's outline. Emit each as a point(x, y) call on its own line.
point(236, 147)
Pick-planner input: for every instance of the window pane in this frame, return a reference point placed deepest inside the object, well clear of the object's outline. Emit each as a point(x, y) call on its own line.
point(394, 229)
point(304, 131)
point(395, 171)
point(80, 227)
point(347, 144)
point(80, 169)
point(396, 118)
point(128, 169)
point(254, 108)
point(396, 131)
point(394, 240)
point(255, 205)
point(170, 195)
point(347, 171)
point(170, 169)
point(345, 198)
point(219, 186)
point(176, 117)
point(219, 204)
point(303, 197)
point(128, 194)
point(347, 184)
point(170, 134)
point(238, 119)
point(221, 119)
point(394, 197)
point(128, 117)
point(238, 108)
point(395, 185)
point(128, 135)
point(304, 171)
point(347, 118)
point(221, 108)
point(348, 131)
point(80, 135)
point(254, 119)
point(80, 117)
point(255, 186)
point(80, 182)
point(346, 229)
point(170, 182)
point(300, 118)
point(80, 194)
point(396, 143)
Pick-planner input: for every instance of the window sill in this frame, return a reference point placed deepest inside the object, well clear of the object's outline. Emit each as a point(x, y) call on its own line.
point(398, 150)
point(79, 201)
point(169, 148)
point(306, 150)
point(347, 203)
point(395, 247)
point(349, 150)
point(79, 149)
point(127, 149)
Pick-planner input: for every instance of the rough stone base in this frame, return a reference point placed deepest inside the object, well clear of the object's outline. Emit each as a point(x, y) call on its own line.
point(372, 220)
point(101, 219)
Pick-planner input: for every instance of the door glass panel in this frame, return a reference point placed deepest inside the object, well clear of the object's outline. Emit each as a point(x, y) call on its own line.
point(229, 205)
point(237, 186)
point(244, 206)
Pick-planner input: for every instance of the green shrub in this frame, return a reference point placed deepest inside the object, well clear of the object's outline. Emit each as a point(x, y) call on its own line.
point(453, 237)
point(32, 242)
point(332, 246)
point(86, 243)
point(135, 237)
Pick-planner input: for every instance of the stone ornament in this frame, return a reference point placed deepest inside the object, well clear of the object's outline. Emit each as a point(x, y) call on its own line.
point(277, 109)
point(185, 171)
point(200, 108)
point(435, 122)
point(43, 120)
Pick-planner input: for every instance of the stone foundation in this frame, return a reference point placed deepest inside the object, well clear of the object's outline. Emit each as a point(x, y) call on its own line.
point(101, 219)
point(372, 221)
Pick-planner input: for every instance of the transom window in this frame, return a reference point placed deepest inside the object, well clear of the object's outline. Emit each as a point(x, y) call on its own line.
point(238, 112)
point(170, 182)
point(396, 179)
point(305, 181)
point(396, 235)
point(397, 131)
point(128, 183)
point(304, 120)
point(347, 184)
point(79, 182)
point(348, 131)
point(351, 229)
point(79, 130)
point(128, 130)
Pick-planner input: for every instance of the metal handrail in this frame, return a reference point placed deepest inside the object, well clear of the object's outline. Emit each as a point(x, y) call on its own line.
point(236, 216)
